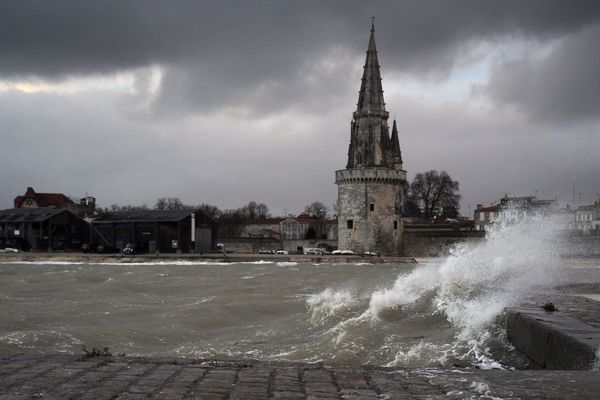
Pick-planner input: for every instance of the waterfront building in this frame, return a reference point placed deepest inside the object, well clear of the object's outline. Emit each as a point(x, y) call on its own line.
point(370, 189)
point(512, 210)
point(587, 218)
point(157, 230)
point(42, 229)
point(33, 199)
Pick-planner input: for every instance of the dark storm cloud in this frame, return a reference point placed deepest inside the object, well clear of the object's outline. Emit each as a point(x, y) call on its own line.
point(565, 85)
point(268, 89)
point(218, 53)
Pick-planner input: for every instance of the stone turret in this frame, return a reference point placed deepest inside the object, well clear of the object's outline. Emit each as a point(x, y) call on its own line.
point(370, 194)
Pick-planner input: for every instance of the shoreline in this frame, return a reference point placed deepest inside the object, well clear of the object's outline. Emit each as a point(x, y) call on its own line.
point(207, 257)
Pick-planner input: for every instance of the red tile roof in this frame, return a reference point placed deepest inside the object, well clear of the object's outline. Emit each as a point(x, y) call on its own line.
point(57, 200)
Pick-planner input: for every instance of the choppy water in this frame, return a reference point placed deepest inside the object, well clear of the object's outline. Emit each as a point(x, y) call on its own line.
point(442, 312)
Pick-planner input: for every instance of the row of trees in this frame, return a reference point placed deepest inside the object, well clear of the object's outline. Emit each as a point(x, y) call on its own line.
point(430, 195)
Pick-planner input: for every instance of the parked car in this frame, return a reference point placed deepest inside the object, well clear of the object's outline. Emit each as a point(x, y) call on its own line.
point(343, 253)
point(107, 249)
point(282, 252)
point(369, 253)
point(134, 248)
point(8, 250)
point(314, 251)
point(89, 248)
point(265, 251)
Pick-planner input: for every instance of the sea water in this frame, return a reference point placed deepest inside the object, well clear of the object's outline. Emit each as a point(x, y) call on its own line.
point(439, 312)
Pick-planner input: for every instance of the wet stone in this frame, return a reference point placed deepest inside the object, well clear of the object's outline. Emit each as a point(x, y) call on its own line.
point(358, 393)
point(351, 381)
point(321, 388)
point(206, 396)
point(142, 389)
point(132, 396)
point(287, 395)
point(136, 370)
point(316, 376)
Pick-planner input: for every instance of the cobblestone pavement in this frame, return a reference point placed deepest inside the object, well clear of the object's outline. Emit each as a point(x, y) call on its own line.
point(70, 377)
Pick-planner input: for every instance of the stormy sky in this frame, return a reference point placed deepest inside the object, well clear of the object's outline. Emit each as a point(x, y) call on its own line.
point(224, 102)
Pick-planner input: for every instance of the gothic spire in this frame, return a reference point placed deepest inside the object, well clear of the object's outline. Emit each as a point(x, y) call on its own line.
point(395, 142)
point(370, 97)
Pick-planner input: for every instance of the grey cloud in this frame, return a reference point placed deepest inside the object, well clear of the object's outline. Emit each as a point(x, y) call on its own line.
point(265, 57)
point(562, 86)
point(220, 53)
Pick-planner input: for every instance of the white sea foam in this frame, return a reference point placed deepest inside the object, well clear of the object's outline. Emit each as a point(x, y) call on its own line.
point(476, 283)
point(287, 264)
point(329, 303)
point(436, 354)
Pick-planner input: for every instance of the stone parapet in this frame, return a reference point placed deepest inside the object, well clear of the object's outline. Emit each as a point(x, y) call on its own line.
point(372, 174)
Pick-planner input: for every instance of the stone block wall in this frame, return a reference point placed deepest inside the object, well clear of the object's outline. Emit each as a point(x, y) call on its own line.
point(371, 199)
point(436, 243)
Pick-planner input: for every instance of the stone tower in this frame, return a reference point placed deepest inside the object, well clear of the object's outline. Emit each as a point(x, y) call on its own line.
point(370, 189)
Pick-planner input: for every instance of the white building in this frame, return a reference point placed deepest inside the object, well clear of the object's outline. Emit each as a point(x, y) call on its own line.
point(587, 218)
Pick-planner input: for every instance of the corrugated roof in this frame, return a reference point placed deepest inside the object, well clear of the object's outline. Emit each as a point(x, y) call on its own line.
point(145, 216)
point(29, 214)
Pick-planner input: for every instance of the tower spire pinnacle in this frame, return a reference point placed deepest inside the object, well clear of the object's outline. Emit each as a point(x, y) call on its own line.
point(370, 97)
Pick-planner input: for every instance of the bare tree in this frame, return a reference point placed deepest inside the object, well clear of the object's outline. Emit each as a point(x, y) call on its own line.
point(210, 210)
point(170, 203)
point(262, 210)
point(435, 193)
point(251, 210)
point(317, 209)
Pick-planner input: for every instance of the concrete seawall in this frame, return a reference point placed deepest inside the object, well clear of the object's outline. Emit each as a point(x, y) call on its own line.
point(568, 338)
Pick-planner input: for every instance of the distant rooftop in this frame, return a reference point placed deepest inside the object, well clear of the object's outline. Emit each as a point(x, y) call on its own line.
point(29, 214)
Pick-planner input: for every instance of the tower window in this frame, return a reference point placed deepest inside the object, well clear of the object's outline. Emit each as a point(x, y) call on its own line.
point(395, 224)
point(350, 224)
point(372, 206)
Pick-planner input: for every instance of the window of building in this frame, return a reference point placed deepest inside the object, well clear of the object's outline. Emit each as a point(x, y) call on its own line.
point(395, 224)
point(350, 224)
point(372, 206)
point(481, 216)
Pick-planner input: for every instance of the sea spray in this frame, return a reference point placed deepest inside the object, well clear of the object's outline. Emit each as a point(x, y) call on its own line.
point(329, 303)
point(474, 285)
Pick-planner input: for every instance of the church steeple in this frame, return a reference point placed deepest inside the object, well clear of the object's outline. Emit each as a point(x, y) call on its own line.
point(370, 144)
point(395, 145)
point(370, 97)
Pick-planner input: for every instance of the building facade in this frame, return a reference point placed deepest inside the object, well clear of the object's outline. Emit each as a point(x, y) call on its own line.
point(42, 229)
point(370, 189)
point(587, 218)
point(512, 210)
point(157, 230)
